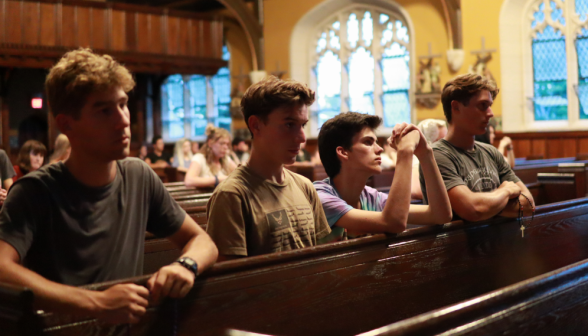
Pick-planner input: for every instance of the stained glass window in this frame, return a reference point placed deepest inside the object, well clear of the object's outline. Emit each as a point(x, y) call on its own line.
point(365, 72)
point(173, 107)
point(176, 116)
point(549, 65)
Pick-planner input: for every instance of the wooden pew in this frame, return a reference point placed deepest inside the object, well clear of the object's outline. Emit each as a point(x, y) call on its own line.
point(359, 285)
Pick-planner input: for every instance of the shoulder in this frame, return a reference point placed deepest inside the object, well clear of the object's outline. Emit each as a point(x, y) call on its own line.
point(300, 180)
point(198, 157)
point(489, 149)
point(43, 178)
point(442, 150)
point(133, 165)
point(324, 187)
point(237, 182)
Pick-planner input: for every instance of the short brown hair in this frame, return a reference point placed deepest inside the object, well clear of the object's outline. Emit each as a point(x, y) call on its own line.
point(79, 73)
point(339, 131)
point(462, 88)
point(271, 93)
point(24, 156)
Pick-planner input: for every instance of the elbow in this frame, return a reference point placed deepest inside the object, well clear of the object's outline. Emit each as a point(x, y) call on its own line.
point(472, 215)
point(443, 217)
point(396, 224)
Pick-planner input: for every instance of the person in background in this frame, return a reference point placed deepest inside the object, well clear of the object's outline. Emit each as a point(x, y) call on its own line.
point(212, 165)
point(433, 130)
point(143, 151)
point(62, 149)
point(504, 147)
point(158, 158)
point(195, 147)
point(6, 174)
point(388, 157)
point(182, 155)
point(241, 150)
point(30, 158)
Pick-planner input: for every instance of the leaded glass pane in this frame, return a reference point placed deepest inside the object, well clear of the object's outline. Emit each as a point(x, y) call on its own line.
point(582, 90)
point(557, 13)
point(384, 18)
point(396, 85)
point(173, 116)
point(582, 9)
point(401, 31)
point(221, 85)
point(367, 28)
point(197, 86)
point(352, 30)
point(539, 16)
point(387, 34)
point(322, 43)
point(550, 75)
point(328, 74)
point(361, 81)
point(335, 43)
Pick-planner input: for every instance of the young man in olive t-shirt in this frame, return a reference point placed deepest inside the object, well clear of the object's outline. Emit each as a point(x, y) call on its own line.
point(479, 182)
point(262, 207)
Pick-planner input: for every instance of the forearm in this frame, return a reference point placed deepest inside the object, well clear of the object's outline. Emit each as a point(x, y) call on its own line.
point(50, 295)
point(487, 204)
point(439, 208)
point(199, 182)
point(512, 208)
point(396, 213)
point(202, 250)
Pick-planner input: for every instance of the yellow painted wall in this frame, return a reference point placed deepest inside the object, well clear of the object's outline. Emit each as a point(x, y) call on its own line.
point(480, 18)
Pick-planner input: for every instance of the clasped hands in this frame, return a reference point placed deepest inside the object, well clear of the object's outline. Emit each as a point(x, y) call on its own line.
point(408, 137)
point(127, 303)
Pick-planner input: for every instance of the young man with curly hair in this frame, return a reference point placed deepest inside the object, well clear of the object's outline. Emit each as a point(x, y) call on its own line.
point(479, 181)
point(262, 207)
point(83, 221)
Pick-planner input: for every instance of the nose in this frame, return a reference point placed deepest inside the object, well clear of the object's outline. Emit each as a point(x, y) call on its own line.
point(379, 149)
point(301, 135)
point(489, 113)
point(123, 118)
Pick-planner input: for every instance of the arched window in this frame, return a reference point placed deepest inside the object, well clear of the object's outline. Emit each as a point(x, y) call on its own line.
point(190, 102)
point(361, 62)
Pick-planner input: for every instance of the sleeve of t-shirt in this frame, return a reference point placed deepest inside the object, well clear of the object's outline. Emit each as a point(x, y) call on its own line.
point(165, 215)
point(505, 172)
point(321, 225)
point(22, 213)
point(6, 168)
point(333, 206)
point(448, 171)
point(226, 223)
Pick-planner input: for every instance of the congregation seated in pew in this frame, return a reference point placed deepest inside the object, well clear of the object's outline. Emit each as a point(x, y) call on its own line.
point(505, 146)
point(158, 158)
point(61, 150)
point(30, 158)
point(83, 221)
point(240, 153)
point(350, 154)
point(182, 155)
point(212, 164)
point(479, 181)
point(262, 207)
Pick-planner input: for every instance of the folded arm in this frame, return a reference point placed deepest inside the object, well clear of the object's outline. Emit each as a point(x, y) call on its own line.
point(477, 206)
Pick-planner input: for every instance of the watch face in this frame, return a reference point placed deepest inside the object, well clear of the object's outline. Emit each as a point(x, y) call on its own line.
point(189, 262)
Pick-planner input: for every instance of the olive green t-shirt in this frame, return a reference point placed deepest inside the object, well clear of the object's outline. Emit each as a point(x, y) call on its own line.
point(249, 215)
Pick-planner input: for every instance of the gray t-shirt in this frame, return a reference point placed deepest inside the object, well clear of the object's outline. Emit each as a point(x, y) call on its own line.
point(76, 235)
point(482, 169)
point(6, 168)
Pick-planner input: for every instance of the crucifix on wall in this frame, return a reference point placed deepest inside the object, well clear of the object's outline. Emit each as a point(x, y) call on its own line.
point(483, 56)
point(278, 73)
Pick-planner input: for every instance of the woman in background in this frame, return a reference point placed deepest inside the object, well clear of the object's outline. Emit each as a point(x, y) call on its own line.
point(504, 147)
point(30, 158)
point(182, 155)
point(212, 165)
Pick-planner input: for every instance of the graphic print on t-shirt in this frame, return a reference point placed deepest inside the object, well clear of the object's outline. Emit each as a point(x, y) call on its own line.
point(291, 228)
point(482, 179)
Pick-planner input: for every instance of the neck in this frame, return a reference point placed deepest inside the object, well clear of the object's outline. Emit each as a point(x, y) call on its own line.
point(90, 171)
point(157, 152)
point(460, 139)
point(350, 184)
point(263, 166)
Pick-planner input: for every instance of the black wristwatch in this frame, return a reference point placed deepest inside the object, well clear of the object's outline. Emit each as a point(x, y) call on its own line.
point(190, 264)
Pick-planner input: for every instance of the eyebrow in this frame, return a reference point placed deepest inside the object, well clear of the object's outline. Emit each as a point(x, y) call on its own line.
point(369, 137)
point(295, 119)
point(107, 102)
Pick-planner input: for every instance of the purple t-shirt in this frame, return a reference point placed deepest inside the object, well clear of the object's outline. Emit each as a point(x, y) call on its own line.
point(335, 207)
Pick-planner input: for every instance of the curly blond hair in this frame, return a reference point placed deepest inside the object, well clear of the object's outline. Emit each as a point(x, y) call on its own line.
point(215, 134)
point(79, 73)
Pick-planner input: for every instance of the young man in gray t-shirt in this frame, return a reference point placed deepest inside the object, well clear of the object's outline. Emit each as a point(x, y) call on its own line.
point(479, 182)
point(84, 220)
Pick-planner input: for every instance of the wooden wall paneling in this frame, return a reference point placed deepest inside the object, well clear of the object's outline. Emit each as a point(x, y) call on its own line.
point(207, 39)
point(173, 26)
point(538, 147)
point(118, 37)
point(99, 29)
point(13, 22)
point(69, 26)
point(583, 145)
point(569, 147)
point(184, 37)
point(197, 38)
point(131, 27)
point(155, 34)
point(143, 41)
point(30, 25)
point(48, 25)
point(84, 30)
point(522, 148)
point(554, 148)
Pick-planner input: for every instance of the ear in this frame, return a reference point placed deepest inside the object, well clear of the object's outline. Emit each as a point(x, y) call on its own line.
point(63, 123)
point(254, 125)
point(342, 154)
point(455, 107)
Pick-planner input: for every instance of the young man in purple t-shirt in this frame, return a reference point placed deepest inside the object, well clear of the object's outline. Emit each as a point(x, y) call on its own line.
point(350, 154)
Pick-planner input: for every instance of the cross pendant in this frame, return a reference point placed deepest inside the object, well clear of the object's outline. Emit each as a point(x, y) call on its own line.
point(523, 231)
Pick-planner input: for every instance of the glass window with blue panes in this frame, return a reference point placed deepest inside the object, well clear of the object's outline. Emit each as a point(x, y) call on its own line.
point(189, 103)
point(363, 65)
point(552, 56)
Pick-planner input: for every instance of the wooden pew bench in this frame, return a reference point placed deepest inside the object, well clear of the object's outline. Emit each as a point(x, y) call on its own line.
point(355, 286)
